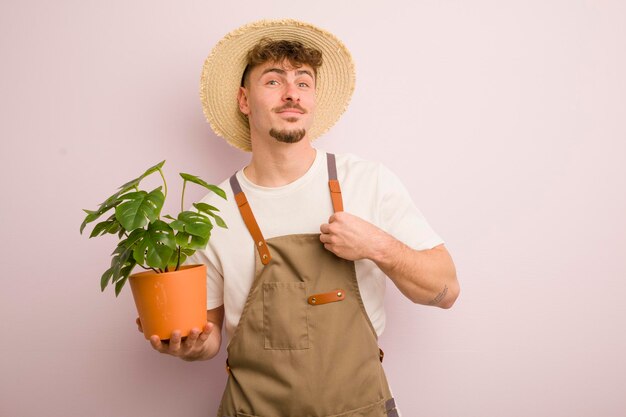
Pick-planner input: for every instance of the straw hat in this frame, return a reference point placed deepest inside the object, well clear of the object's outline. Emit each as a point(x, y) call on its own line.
point(223, 69)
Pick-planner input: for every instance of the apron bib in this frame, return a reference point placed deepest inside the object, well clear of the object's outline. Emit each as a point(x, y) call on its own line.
point(304, 345)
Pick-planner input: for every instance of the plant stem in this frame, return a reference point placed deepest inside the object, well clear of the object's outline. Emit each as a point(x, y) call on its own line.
point(147, 269)
point(182, 198)
point(178, 260)
point(164, 189)
point(164, 184)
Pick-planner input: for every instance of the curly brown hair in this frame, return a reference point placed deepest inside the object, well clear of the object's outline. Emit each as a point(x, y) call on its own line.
point(268, 50)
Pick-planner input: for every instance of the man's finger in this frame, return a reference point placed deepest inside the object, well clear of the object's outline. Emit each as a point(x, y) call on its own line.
point(206, 331)
point(156, 343)
point(175, 341)
point(193, 336)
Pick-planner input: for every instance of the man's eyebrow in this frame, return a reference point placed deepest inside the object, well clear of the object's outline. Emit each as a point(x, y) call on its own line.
point(283, 72)
point(278, 70)
point(307, 72)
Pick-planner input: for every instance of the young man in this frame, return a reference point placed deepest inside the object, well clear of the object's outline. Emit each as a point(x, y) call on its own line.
point(299, 276)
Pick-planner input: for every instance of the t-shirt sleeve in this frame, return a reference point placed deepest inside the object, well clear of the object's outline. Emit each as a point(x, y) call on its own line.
point(399, 216)
point(214, 280)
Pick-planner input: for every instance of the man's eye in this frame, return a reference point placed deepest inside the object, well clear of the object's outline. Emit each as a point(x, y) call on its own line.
point(303, 84)
point(272, 82)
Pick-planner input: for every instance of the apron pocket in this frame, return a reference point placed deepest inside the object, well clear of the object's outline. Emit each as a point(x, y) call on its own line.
point(285, 322)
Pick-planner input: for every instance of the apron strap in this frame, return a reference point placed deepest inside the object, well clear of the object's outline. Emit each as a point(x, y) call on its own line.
point(333, 184)
point(250, 221)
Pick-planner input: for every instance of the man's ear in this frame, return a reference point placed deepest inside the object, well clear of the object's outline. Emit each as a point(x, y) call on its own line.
point(242, 99)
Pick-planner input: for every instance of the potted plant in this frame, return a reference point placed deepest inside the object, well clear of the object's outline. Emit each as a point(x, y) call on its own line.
point(167, 295)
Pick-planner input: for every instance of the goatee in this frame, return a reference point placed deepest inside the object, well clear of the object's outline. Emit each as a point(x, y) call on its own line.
point(288, 136)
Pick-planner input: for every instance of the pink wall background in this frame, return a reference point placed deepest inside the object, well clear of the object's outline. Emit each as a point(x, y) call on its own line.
point(506, 120)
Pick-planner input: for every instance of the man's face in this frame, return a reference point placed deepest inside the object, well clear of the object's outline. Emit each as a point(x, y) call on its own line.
point(279, 101)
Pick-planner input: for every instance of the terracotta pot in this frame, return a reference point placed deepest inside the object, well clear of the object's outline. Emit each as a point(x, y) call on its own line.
point(171, 300)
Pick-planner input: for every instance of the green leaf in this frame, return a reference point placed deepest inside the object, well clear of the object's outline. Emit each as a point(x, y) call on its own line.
point(106, 277)
point(155, 245)
point(196, 224)
point(91, 216)
point(121, 246)
point(208, 209)
point(139, 207)
point(187, 252)
point(205, 208)
point(194, 230)
point(174, 260)
point(184, 253)
point(178, 225)
point(130, 185)
point(196, 180)
point(121, 259)
point(111, 225)
point(100, 228)
point(117, 198)
point(109, 203)
point(130, 241)
point(119, 285)
point(135, 183)
point(218, 220)
point(138, 254)
point(152, 169)
point(128, 267)
point(191, 242)
point(182, 239)
point(124, 273)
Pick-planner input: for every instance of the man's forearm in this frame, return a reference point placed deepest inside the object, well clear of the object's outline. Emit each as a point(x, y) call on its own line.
point(425, 277)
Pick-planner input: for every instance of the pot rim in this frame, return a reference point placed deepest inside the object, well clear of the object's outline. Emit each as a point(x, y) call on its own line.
point(182, 268)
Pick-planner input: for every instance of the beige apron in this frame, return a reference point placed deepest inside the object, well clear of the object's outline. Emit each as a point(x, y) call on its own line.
point(304, 345)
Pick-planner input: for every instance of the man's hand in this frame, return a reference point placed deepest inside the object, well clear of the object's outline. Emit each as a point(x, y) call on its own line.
point(423, 276)
point(351, 237)
point(198, 345)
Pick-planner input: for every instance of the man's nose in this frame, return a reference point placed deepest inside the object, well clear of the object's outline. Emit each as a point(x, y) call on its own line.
point(291, 93)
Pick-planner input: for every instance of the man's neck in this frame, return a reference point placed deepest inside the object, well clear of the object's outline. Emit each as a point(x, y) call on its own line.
point(281, 164)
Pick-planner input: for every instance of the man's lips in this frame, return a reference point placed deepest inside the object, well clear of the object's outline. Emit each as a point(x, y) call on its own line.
point(291, 111)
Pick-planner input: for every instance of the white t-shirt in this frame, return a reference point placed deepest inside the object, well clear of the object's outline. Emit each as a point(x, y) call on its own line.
point(369, 191)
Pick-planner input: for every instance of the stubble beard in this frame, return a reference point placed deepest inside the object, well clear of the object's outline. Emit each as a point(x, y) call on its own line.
point(288, 136)
point(285, 135)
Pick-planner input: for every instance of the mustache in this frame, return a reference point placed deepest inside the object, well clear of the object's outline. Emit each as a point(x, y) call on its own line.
point(290, 106)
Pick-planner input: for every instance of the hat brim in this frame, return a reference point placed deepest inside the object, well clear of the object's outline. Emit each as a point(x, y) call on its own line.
point(223, 69)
